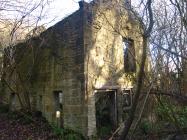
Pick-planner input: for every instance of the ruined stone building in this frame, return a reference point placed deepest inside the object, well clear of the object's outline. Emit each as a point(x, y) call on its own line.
point(84, 66)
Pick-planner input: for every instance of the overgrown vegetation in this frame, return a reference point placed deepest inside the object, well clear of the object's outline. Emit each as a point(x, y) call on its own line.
point(33, 126)
point(171, 120)
point(104, 131)
point(171, 113)
point(66, 133)
point(4, 108)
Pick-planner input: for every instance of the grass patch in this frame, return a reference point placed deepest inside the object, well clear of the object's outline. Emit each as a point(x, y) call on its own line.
point(66, 133)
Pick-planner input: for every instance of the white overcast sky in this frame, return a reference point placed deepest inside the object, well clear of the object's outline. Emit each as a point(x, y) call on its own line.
point(52, 13)
point(62, 8)
point(56, 9)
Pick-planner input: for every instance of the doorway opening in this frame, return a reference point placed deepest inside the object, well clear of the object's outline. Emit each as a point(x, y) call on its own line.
point(106, 112)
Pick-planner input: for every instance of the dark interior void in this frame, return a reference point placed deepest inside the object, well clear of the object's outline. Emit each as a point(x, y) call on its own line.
point(12, 101)
point(106, 112)
point(58, 100)
point(58, 106)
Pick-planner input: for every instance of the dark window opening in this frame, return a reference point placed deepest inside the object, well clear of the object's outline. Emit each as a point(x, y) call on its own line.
point(40, 105)
point(58, 104)
point(12, 101)
point(127, 99)
point(58, 100)
point(129, 55)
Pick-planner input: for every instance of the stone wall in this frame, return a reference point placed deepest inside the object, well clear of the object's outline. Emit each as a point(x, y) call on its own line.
point(104, 61)
point(67, 75)
point(55, 60)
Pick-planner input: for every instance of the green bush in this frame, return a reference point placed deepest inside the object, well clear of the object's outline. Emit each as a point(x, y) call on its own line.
point(4, 108)
point(104, 131)
point(67, 134)
point(73, 136)
point(145, 127)
point(172, 113)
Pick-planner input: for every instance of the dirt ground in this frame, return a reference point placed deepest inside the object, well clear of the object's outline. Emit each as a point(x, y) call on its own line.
point(14, 127)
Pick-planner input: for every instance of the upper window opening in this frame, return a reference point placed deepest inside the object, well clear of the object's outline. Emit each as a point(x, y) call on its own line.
point(129, 55)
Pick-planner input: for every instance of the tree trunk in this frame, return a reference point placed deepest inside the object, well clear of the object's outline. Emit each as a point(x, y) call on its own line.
point(130, 119)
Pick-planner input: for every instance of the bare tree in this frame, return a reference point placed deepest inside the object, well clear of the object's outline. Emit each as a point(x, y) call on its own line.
point(168, 52)
point(20, 25)
point(169, 47)
point(146, 34)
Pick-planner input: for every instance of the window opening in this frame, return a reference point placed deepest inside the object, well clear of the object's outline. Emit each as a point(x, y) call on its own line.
point(58, 98)
point(127, 99)
point(129, 55)
point(12, 101)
